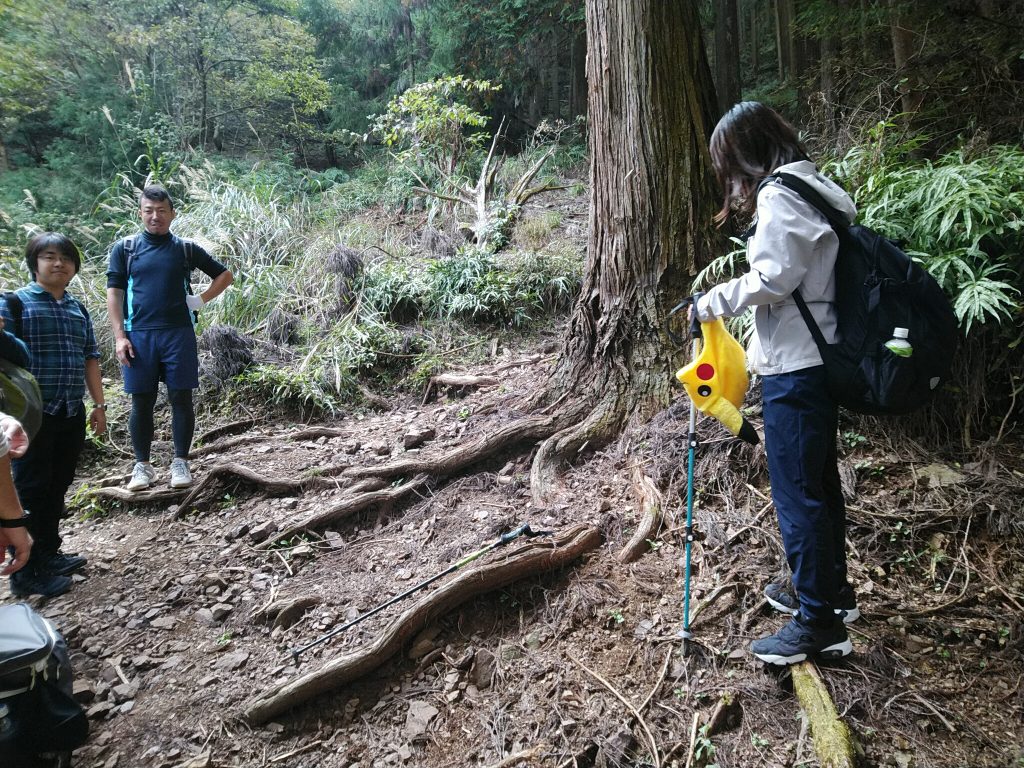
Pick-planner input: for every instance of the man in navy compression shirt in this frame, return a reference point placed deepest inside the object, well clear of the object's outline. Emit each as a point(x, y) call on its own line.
point(152, 312)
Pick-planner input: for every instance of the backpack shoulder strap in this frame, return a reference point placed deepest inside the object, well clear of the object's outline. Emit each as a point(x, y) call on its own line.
point(835, 220)
point(129, 248)
point(17, 309)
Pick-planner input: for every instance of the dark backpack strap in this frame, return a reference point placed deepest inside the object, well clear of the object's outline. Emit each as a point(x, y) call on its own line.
point(17, 309)
point(129, 247)
point(805, 313)
point(811, 196)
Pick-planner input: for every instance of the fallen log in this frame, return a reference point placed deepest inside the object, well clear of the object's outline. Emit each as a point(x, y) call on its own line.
point(833, 740)
point(536, 556)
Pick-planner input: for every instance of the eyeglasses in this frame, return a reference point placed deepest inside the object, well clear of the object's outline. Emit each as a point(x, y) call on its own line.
point(55, 257)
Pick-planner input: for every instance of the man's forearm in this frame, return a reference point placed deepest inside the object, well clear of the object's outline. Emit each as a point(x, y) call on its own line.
point(94, 380)
point(115, 299)
point(218, 286)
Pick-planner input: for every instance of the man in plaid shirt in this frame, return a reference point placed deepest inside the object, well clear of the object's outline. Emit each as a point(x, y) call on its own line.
point(65, 361)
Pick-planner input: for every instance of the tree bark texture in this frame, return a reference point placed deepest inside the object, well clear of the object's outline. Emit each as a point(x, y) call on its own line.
point(651, 107)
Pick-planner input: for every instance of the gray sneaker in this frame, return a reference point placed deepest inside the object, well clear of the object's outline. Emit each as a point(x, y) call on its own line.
point(180, 476)
point(143, 476)
point(782, 599)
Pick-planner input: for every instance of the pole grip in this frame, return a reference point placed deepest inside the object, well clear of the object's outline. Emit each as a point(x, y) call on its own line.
point(695, 332)
point(515, 533)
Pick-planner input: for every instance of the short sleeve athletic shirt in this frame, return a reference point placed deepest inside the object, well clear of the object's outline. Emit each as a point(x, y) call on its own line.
point(154, 292)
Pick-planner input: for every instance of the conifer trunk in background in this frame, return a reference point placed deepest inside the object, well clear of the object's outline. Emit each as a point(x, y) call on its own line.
point(727, 54)
point(651, 108)
point(578, 65)
point(902, 51)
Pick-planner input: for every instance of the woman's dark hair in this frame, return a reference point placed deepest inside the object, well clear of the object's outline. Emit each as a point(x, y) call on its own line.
point(157, 194)
point(40, 243)
point(749, 142)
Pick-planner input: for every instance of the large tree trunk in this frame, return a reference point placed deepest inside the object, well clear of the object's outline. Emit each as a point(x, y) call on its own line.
point(902, 52)
point(727, 53)
point(651, 109)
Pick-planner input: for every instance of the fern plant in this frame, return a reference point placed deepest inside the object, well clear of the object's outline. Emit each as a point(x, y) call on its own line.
point(960, 216)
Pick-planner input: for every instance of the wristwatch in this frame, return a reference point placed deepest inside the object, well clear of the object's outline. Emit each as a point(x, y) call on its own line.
point(102, 406)
point(18, 522)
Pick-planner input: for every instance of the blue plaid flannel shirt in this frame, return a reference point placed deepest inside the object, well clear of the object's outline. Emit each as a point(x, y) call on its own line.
point(60, 336)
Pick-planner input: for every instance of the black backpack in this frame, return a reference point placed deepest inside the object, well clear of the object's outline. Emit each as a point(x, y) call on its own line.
point(879, 288)
point(19, 391)
point(40, 722)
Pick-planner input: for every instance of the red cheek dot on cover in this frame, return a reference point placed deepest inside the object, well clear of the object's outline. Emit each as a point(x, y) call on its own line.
point(705, 371)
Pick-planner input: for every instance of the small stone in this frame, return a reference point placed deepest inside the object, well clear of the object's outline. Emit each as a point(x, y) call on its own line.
point(263, 531)
point(99, 711)
point(83, 691)
point(350, 446)
point(417, 436)
point(483, 671)
point(164, 622)
point(221, 611)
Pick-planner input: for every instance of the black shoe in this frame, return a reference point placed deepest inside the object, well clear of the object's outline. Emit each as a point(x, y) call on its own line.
point(61, 564)
point(782, 599)
point(31, 581)
point(797, 640)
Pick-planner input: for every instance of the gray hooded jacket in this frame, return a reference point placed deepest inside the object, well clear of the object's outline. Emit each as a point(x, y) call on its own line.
point(793, 247)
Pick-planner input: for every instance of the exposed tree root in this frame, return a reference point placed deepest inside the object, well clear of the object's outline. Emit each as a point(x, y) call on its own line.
point(311, 433)
point(652, 512)
point(528, 428)
point(226, 429)
point(529, 559)
point(224, 445)
point(833, 740)
point(287, 611)
point(362, 499)
point(460, 380)
point(597, 429)
point(156, 496)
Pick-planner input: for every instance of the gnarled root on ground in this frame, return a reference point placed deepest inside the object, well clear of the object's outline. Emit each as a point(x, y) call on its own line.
point(457, 459)
point(652, 512)
point(534, 557)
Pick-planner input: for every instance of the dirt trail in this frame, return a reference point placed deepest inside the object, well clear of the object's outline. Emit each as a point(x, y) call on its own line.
point(168, 646)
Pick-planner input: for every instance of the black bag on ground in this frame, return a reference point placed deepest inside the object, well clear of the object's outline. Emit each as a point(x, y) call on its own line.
point(879, 288)
point(42, 723)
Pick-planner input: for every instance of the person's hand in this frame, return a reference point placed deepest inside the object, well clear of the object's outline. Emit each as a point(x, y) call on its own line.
point(124, 350)
point(17, 437)
point(98, 420)
point(20, 539)
point(194, 302)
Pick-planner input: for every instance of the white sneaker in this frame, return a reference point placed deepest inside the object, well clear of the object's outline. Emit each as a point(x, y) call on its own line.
point(180, 476)
point(143, 475)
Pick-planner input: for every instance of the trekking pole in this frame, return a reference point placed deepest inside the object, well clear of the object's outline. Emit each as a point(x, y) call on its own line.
point(522, 530)
point(691, 439)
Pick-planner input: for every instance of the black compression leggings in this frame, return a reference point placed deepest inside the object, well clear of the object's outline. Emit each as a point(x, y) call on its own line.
point(183, 422)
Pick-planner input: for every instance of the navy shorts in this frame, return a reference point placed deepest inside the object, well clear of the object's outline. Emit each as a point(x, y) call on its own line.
point(166, 354)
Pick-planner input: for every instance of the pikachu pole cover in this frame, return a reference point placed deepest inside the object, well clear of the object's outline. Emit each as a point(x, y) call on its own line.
point(717, 379)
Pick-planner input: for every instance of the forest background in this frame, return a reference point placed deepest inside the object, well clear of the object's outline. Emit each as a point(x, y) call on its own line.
point(401, 188)
point(275, 122)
